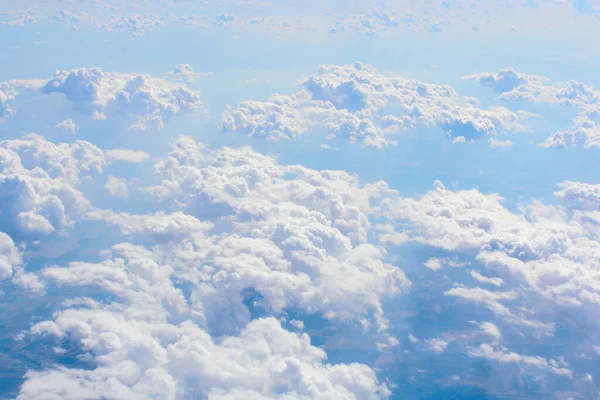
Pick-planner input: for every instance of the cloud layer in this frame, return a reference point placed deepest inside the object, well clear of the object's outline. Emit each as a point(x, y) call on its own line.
point(359, 104)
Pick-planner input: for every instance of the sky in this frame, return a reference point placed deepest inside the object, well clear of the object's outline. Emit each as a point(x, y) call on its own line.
point(262, 199)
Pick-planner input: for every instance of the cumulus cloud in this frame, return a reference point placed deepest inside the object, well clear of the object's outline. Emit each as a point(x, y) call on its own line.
point(583, 130)
point(67, 126)
point(585, 127)
point(504, 81)
point(137, 24)
point(155, 359)
point(580, 196)
point(38, 182)
point(7, 96)
point(368, 24)
point(101, 94)
point(292, 238)
point(18, 18)
point(186, 73)
point(495, 143)
point(531, 270)
point(10, 256)
point(9, 90)
point(301, 227)
point(437, 345)
point(76, 18)
point(127, 155)
point(357, 103)
point(116, 187)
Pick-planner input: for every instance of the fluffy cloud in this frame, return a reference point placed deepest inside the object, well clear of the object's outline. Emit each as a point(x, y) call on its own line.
point(127, 155)
point(495, 143)
point(101, 94)
point(357, 103)
point(295, 232)
point(67, 125)
point(437, 345)
point(505, 80)
point(7, 96)
point(38, 179)
point(9, 90)
point(186, 73)
point(138, 24)
point(369, 24)
point(580, 196)
point(10, 256)
point(535, 272)
point(290, 238)
point(116, 187)
point(154, 359)
point(75, 18)
point(547, 249)
point(584, 129)
point(18, 18)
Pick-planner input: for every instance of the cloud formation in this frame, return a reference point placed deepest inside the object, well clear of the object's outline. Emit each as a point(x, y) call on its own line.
point(357, 103)
point(585, 127)
point(281, 238)
point(101, 94)
point(186, 73)
point(10, 256)
point(534, 272)
point(37, 181)
point(299, 231)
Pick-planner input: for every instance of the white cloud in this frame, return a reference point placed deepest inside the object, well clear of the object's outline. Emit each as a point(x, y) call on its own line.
point(67, 125)
point(354, 102)
point(584, 129)
point(368, 24)
point(495, 143)
point(504, 356)
point(437, 345)
point(37, 183)
point(155, 359)
point(504, 81)
point(127, 155)
point(76, 18)
point(580, 196)
point(154, 340)
point(151, 100)
point(491, 330)
point(9, 90)
point(186, 73)
point(10, 256)
point(138, 24)
point(296, 231)
point(545, 258)
point(437, 263)
point(485, 279)
point(7, 95)
point(18, 18)
point(116, 187)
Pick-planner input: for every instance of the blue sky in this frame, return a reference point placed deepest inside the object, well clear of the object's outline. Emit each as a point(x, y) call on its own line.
point(299, 200)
